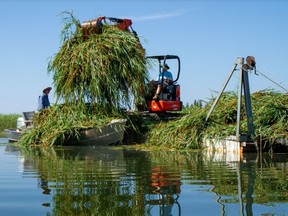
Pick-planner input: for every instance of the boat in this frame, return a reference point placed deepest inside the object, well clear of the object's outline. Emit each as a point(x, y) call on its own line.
point(23, 123)
point(13, 134)
point(110, 134)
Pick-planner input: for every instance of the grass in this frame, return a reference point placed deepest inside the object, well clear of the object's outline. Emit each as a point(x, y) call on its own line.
point(7, 121)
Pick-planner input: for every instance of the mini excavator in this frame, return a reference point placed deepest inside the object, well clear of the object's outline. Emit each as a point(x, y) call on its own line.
point(169, 102)
point(169, 98)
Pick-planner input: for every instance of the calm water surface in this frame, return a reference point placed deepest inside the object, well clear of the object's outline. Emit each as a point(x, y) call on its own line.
point(109, 181)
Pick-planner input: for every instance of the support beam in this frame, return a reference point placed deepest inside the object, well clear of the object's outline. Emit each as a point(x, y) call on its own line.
point(248, 105)
point(239, 104)
point(224, 86)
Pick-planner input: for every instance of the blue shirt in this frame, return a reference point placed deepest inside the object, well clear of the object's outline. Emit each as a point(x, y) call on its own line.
point(166, 75)
point(43, 102)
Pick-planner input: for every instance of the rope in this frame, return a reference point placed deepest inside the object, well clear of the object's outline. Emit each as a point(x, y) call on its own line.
point(272, 81)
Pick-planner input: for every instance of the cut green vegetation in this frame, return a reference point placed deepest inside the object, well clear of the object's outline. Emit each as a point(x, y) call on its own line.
point(57, 123)
point(94, 79)
point(270, 113)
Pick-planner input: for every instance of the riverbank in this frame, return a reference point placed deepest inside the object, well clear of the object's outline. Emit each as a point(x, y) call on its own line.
point(7, 121)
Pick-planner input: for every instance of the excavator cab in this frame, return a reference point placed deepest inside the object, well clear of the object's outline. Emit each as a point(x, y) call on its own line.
point(169, 98)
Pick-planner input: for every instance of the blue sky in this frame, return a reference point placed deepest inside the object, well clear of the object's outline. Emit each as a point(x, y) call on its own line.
point(208, 36)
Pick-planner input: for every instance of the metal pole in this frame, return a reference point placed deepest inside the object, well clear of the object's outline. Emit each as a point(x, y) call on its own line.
point(217, 99)
point(238, 130)
point(248, 104)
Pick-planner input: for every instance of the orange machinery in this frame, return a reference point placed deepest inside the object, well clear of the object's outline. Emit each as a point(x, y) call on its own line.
point(169, 99)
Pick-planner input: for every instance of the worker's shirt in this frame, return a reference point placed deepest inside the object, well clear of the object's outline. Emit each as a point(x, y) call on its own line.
point(43, 102)
point(166, 75)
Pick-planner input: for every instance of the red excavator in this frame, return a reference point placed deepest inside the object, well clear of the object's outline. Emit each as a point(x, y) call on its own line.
point(169, 98)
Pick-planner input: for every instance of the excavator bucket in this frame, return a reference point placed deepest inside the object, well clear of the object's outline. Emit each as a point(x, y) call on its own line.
point(91, 27)
point(95, 26)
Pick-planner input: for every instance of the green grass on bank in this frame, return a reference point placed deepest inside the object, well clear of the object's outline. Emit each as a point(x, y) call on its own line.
point(7, 121)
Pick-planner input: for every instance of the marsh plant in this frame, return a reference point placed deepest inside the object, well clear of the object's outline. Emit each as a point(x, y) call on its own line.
point(94, 79)
point(7, 121)
point(270, 115)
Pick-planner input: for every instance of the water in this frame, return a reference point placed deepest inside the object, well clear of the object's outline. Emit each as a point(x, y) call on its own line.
point(109, 181)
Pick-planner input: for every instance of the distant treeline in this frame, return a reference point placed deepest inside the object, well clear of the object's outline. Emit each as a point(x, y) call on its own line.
point(7, 121)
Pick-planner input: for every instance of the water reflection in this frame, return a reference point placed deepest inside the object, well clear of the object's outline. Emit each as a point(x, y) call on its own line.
point(109, 181)
point(164, 191)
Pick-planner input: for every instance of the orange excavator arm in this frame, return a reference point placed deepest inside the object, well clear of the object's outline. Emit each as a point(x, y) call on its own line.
point(122, 24)
point(95, 26)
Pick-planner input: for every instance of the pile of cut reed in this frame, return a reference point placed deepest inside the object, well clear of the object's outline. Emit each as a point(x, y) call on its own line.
point(270, 114)
point(106, 71)
point(57, 123)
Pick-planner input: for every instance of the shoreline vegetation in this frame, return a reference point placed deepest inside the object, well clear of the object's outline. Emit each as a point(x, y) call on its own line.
point(7, 121)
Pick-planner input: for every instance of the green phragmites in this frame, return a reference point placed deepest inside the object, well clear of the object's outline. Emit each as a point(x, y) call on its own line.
point(52, 126)
point(270, 115)
point(107, 69)
point(94, 78)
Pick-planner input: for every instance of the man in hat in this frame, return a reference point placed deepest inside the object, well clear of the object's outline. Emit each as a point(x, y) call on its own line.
point(43, 100)
point(167, 80)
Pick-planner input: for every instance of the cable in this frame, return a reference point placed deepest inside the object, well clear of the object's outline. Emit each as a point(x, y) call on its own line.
point(272, 81)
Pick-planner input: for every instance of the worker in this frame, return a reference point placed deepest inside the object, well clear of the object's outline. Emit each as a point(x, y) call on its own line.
point(43, 100)
point(167, 80)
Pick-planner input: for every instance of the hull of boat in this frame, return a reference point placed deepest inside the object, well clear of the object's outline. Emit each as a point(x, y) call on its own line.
point(109, 134)
point(13, 134)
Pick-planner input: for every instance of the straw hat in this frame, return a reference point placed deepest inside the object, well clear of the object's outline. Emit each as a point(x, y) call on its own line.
point(166, 66)
point(48, 88)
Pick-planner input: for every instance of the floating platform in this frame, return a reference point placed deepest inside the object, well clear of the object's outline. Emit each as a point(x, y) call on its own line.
point(230, 146)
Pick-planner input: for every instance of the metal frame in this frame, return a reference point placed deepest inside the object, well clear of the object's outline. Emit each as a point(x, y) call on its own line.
point(243, 85)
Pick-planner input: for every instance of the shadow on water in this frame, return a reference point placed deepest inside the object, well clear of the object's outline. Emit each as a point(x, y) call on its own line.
point(109, 181)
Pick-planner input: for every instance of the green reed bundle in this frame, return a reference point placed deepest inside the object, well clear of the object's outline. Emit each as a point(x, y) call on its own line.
point(181, 133)
point(94, 77)
point(107, 69)
point(54, 125)
point(270, 114)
